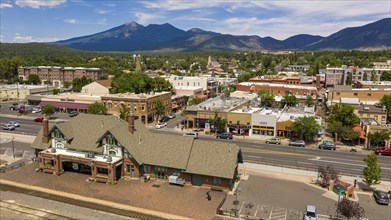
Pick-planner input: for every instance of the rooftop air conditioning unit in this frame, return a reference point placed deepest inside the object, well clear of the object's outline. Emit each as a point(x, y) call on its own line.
point(109, 159)
point(53, 150)
point(366, 108)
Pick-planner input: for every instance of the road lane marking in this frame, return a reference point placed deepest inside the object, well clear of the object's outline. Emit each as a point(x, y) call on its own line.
point(256, 211)
point(263, 151)
point(305, 163)
point(337, 162)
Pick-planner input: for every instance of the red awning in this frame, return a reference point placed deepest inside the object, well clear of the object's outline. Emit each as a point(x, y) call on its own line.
point(65, 104)
point(360, 130)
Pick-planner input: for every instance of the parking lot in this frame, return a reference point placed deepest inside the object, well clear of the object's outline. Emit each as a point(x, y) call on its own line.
point(271, 198)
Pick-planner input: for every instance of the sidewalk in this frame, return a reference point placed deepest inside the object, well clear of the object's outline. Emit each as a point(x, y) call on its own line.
point(298, 175)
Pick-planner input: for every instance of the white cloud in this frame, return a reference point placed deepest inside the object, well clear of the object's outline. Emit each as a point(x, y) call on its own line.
point(28, 39)
point(39, 3)
point(109, 5)
point(101, 11)
point(146, 18)
point(2, 38)
point(5, 5)
point(103, 21)
point(71, 21)
point(173, 5)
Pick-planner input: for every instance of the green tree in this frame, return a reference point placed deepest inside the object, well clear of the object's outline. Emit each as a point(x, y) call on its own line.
point(326, 174)
point(33, 79)
point(78, 83)
point(56, 91)
point(195, 101)
point(348, 133)
point(305, 127)
point(349, 79)
point(159, 106)
point(309, 101)
point(48, 110)
point(350, 209)
point(124, 111)
point(97, 108)
point(386, 76)
point(372, 172)
point(267, 98)
point(67, 84)
point(378, 137)
point(217, 122)
point(341, 121)
point(289, 100)
point(365, 77)
point(386, 101)
point(373, 76)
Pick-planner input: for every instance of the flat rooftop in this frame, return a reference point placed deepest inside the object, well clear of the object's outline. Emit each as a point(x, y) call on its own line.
point(278, 85)
point(22, 86)
point(219, 104)
point(247, 110)
point(134, 95)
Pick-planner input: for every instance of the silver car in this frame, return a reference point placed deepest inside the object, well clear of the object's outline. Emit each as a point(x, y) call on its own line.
point(14, 123)
point(8, 127)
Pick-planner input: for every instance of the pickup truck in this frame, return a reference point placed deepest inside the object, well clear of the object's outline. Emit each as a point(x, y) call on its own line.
point(176, 180)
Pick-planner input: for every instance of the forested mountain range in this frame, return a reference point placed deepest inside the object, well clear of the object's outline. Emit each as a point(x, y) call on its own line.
point(135, 37)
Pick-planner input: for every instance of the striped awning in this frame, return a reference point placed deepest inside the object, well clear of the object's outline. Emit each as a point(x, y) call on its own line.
point(73, 105)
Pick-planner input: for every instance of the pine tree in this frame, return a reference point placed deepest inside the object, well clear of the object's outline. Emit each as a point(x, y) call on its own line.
point(372, 172)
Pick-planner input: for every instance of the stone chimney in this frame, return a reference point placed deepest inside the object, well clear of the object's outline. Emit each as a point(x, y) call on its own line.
point(131, 123)
point(45, 125)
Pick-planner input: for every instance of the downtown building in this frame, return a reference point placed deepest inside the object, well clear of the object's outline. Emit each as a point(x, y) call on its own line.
point(59, 75)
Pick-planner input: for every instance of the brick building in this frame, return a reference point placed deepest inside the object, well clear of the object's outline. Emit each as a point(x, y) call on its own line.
point(293, 80)
point(60, 75)
point(113, 149)
point(142, 105)
point(277, 89)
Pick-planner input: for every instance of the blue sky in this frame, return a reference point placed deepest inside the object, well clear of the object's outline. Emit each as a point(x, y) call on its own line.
point(50, 20)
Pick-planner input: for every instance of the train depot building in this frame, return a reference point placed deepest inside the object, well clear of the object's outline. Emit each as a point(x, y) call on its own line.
point(107, 148)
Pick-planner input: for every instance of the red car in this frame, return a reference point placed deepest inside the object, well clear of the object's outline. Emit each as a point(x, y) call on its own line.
point(38, 119)
point(386, 151)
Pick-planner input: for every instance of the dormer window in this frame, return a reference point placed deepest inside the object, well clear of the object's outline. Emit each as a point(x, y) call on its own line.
point(57, 134)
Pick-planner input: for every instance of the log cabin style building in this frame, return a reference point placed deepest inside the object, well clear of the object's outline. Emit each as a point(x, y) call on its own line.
point(108, 148)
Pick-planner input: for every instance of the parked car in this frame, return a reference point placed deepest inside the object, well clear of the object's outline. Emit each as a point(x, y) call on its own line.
point(161, 125)
point(386, 151)
point(224, 135)
point(327, 146)
point(298, 143)
point(14, 123)
point(36, 110)
point(183, 122)
point(73, 113)
point(8, 127)
point(14, 108)
point(310, 213)
point(273, 141)
point(381, 197)
point(173, 115)
point(22, 111)
point(38, 119)
point(164, 119)
point(191, 134)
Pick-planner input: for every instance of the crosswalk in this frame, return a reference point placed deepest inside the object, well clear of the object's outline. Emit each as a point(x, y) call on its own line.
point(278, 213)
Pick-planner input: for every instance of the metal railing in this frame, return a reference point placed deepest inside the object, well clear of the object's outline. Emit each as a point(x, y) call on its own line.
point(12, 167)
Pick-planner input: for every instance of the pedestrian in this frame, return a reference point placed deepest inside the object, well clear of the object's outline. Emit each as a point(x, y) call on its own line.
point(208, 195)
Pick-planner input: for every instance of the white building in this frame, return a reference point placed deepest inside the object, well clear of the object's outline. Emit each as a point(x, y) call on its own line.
point(207, 83)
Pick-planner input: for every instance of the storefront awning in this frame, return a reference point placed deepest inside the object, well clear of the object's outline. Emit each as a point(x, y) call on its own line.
point(73, 105)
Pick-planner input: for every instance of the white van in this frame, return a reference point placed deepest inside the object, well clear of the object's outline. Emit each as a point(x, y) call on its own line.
point(310, 213)
point(191, 134)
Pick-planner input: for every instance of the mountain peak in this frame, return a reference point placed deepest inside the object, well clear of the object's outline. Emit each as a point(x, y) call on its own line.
point(133, 25)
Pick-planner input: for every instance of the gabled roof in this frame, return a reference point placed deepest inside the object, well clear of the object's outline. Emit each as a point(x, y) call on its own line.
point(166, 150)
point(213, 159)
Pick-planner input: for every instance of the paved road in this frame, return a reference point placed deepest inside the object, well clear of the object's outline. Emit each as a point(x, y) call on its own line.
point(253, 151)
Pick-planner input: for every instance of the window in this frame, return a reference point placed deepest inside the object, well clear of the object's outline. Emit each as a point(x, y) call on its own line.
point(115, 105)
point(355, 94)
point(57, 134)
point(383, 118)
point(135, 106)
point(147, 168)
point(217, 181)
point(376, 117)
point(369, 94)
point(338, 93)
point(142, 107)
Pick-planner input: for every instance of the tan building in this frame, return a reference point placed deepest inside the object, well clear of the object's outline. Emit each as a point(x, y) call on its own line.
point(95, 88)
point(67, 102)
point(17, 91)
point(59, 75)
point(293, 80)
point(142, 105)
point(371, 112)
point(109, 149)
point(366, 96)
point(370, 126)
point(239, 121)
point(188, 90)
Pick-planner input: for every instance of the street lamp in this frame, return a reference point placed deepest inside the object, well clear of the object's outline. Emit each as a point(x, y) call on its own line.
point(13, 147)
point(317, 167)
point(338, 191)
